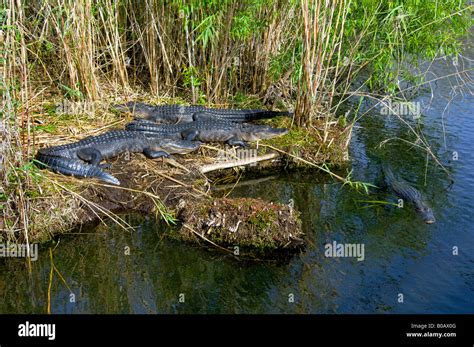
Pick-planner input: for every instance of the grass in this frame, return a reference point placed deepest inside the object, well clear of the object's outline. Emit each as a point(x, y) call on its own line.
point(326, 141)
point(59, 203)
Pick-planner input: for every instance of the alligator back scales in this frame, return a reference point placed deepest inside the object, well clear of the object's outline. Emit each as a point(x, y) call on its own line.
point(408, 193)
point(207, 130)
point(113, 142)
point(67, 158)
point(183, 114)
point(400, 187)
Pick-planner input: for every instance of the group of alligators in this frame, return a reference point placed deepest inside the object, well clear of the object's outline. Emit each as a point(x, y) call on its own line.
point(158, 131)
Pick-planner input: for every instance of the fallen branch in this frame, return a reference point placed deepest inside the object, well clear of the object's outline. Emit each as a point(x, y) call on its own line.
point(234, 163)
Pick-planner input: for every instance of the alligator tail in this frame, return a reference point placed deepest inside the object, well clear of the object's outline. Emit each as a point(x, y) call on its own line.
point(138, 125)
point(73, 167)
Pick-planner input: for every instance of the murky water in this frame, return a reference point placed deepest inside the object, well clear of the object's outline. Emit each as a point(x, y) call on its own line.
point(403, 257)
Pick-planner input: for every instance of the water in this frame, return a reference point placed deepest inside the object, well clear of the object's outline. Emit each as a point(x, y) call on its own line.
point(403, 256)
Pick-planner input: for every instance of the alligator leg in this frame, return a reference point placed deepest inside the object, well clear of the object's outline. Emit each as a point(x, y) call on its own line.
point(152, 154)
point(91, 155)
point(190, 135)
point(237, 142)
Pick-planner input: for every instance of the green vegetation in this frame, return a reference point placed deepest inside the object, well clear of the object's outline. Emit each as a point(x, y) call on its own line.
point(399, 34)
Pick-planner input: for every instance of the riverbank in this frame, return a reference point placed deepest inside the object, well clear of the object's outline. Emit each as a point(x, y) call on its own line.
point(174, 189)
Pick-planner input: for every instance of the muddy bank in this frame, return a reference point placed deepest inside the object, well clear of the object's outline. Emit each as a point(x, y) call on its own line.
point(251, 224)
point(174, 190)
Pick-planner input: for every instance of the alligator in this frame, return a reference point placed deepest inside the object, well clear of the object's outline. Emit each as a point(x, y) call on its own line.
point(408, 193)
point(82, 158)
point(185, 114)
point(206, 130)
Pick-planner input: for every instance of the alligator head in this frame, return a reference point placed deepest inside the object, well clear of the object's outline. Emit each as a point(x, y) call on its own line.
point(259, 132)
point(139, 109)
point(426, 213)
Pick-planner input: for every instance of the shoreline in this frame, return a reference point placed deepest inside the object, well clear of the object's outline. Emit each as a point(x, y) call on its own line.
point(58, 203)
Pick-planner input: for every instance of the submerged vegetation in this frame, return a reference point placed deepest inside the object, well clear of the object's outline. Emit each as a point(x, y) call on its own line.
point(300, 55)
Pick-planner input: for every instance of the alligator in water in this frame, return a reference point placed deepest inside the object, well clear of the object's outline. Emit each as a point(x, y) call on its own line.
point(184, 114)
point(82, 158)
point(206, 130)
point(408, 193)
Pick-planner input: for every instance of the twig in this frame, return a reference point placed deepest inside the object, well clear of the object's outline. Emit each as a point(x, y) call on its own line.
point(342, 179)
point(206, 239)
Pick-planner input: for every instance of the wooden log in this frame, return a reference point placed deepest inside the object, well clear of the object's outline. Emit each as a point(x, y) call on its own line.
point(234, 163)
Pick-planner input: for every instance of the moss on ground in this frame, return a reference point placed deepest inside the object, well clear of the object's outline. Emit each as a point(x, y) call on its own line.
point(325, 141)
point(250, 224)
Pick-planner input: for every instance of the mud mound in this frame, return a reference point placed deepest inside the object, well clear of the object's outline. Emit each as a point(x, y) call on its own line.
point(242, 222)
